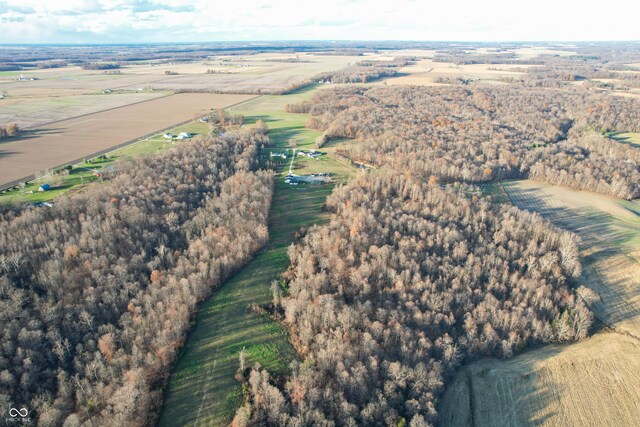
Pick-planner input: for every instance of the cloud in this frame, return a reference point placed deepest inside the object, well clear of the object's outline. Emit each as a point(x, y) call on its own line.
point(80, 21)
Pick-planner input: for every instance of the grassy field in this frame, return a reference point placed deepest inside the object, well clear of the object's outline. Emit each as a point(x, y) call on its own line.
point(590, 383)
point(83, 173)
point(202, 389)
point(495, 190)
point(630, 138)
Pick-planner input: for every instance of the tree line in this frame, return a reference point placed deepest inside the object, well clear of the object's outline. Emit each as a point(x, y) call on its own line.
point(97, 293)
point(406, 283)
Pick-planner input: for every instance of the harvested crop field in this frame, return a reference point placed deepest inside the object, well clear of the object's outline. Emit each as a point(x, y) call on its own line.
point(593, 382)
point(610, 232)
point(66, 141)
point(29, 112)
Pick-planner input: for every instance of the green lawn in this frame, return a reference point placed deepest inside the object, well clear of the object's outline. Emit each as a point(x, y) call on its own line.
point(629, 137)
point(202, 389)
point(495, 191)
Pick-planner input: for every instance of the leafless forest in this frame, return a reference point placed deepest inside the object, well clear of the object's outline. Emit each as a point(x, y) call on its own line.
point(405, 284)
point(482, 134)
point(412, 274)
point(97, 294)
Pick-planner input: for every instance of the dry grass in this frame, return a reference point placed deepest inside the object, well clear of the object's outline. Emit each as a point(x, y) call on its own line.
point(68, 140)
point(594, 382)
point(610, 232)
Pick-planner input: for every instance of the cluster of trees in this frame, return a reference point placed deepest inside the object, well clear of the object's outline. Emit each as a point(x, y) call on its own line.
point(222, 119)
point(10, 67)
point(590, 162)
point(100, 66)
point(9, 131)
point(461, 57)
point(404, 284)
point(397, 62)
point(358, 74)
point(97, 293)
point(479, 133)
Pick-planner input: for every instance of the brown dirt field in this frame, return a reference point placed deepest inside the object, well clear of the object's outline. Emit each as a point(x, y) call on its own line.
point(610, 232)
point(68, 140)
point(595, 382)
point(28, 111)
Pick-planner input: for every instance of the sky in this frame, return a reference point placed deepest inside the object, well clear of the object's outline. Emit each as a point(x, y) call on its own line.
point(117, 21)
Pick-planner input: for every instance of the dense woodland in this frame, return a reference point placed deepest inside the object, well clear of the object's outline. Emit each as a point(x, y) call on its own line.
point(97, 293)
point(405, 284)
point(477, 134)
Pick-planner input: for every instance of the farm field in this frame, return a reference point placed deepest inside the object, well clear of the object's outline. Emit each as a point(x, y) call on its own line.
point(425, 70)
point(69, 140)
point(609, 229)
point(29, 112)
point(202, 389)
point(83, 173)
point(593, 382)
point(254, 75)
point(62, 93)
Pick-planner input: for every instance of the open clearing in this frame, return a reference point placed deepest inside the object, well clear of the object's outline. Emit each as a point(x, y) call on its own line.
point(202, 389)
point(590, 383)
point(629, 137)
point(67, 141)
point(610, 232)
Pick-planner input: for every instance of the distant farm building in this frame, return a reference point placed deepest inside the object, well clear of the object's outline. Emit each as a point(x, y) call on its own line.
point(44, 187)
point(167, 136)
point(283, 155)
point(314, 178)
point(185, 135)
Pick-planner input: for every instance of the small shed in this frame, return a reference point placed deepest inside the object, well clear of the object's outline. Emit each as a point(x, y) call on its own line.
point(44, 187)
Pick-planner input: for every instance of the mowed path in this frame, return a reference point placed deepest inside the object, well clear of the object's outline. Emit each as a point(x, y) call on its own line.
point(202, 390)
point(58, 143)
point(610, 232)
